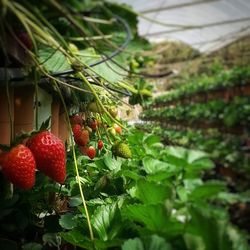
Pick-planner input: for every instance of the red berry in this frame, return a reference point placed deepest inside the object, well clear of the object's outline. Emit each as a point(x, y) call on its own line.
point(117, 128)
point(91, 152)
point(18, 166)
point(50, 156)
point(81, 137)
point(93, 124)
point(76, 119)
point(100, 144)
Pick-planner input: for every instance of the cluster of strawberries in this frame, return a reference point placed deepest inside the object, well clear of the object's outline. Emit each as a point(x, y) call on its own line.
point(82, 130)
point(43, 151)
point(46, 152)
point(81, 135)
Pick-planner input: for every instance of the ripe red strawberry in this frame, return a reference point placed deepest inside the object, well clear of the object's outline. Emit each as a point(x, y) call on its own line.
point(93, 124)
point(100, 144)
point(76, 119)
point(117, 128)
point(81, 137)
point(49, 153)
point(91, 152)
point(18, 166)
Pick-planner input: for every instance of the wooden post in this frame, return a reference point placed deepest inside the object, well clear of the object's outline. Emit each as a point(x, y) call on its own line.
point(55, 108)
point(63, 128)
point(5, 126)
point(23, 109)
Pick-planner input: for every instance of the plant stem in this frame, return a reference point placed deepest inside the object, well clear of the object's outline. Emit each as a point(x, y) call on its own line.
point(76, 167)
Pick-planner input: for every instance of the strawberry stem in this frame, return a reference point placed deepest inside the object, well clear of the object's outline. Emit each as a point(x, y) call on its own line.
point(75, 164)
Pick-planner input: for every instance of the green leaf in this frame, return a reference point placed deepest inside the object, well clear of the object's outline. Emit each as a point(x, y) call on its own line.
point(75, 201)
point(111, 163)
point(107, 221)
point(182, 193)
point(153, 216)
point(131, 174)
point(156, 242)
point(150, 193)
point(189, 159)
point(108, 70)
point(162, 175)
point(133, 244)
point(195, 155)
point(151, 139)
point(153, 166)
point(32, 246)
point(67, 221)
point(200, 164)
point(52, 239)
point(53, 60)
point(207, 190)
point(212, 230)
point(233, 197)
point(79, 239)
point(194, 242)
point(238, 238)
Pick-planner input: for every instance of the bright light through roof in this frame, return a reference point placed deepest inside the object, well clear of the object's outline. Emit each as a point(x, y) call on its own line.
point(206, 25)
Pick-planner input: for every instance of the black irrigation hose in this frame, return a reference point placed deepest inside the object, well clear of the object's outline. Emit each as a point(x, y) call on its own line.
point(115, 53)
point(107, 58)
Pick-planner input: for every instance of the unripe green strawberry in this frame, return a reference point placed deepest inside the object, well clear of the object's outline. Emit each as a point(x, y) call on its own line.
point(81, 137)
point(112, 131)
point(73, 48)
point(50, 156)
point(94, 107)
point(18, 166)
point(121, 149)
point(113, 111)
point(76, 66)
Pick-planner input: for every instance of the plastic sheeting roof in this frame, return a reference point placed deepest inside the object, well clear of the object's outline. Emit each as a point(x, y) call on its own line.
point(206, 25)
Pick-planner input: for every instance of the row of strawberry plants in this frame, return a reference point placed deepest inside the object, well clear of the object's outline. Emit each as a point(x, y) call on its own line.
point(204, 84)
point(235, 113)
point(226, 150)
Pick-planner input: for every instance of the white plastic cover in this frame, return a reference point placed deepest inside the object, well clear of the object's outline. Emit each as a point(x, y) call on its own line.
point(204, 24)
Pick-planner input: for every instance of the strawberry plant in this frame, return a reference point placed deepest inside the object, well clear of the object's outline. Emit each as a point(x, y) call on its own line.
point(132, 193)
point(157, 197)
point(234, 113)
point(204, 84)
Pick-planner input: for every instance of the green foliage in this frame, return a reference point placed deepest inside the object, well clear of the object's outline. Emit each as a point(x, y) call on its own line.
point(215, 112)
point(140, 203)
point(192, 86)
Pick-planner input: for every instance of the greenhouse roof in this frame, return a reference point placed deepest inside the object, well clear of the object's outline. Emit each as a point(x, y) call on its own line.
point(206, 25)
